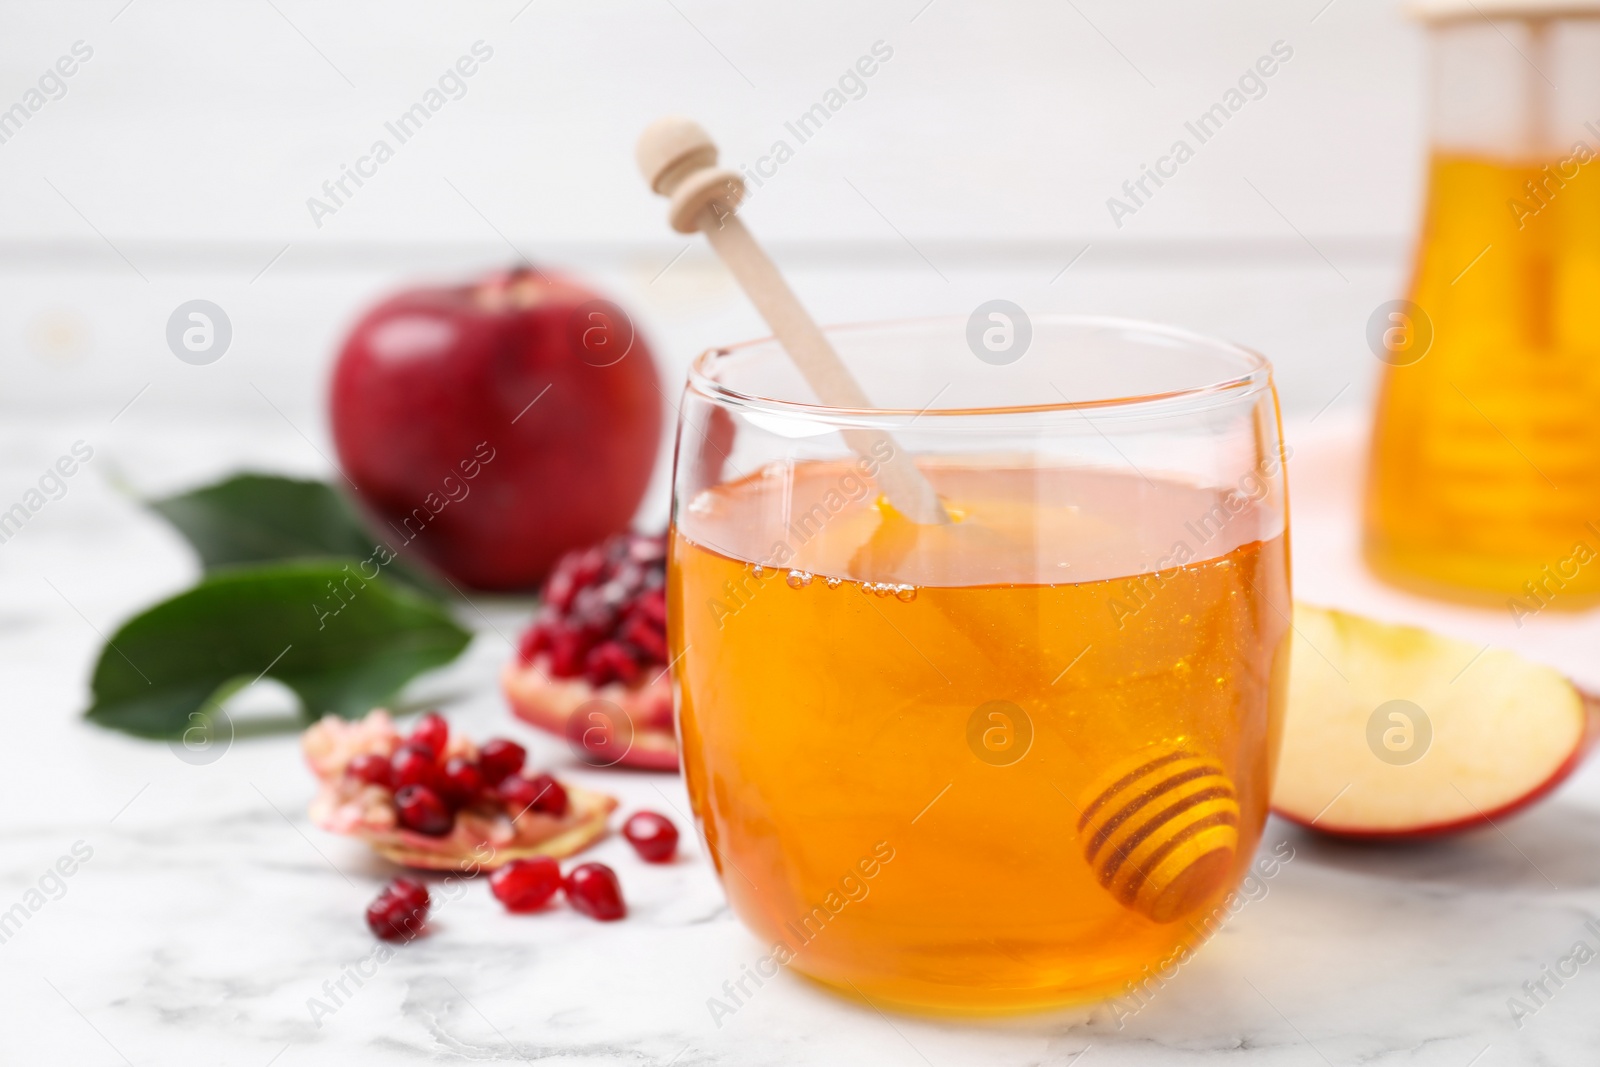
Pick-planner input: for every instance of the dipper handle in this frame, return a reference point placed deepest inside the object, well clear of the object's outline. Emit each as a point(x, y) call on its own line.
point(679, 160)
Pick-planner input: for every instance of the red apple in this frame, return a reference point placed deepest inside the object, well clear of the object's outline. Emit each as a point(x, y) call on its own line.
point(492, 427)
point(1396, 732)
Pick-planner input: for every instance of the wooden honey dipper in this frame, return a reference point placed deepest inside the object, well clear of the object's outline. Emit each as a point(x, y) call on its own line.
point(679, 160)
point(1160, 830)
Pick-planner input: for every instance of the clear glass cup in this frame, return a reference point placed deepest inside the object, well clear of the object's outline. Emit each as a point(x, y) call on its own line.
point(1014, 760)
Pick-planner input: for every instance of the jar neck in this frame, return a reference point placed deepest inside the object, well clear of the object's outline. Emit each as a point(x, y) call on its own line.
point(1516, 89)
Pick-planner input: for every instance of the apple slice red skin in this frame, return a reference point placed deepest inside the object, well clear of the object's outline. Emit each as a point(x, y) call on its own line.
point(1591, 736)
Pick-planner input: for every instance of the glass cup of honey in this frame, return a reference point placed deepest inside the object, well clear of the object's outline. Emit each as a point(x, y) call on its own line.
point(1012, 760)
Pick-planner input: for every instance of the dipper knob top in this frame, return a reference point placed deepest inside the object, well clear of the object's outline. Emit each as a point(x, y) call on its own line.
point(671, 147)
point(679, 160)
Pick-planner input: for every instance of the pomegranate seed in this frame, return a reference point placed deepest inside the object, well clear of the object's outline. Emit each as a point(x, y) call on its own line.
point(463, 781)
point(413, 765)
point(535, 641)
point(648, 549)
point(592, 888)
point(653, 606)
point(499, 757)
point(575, 572)
point(627, 583)
point(610, 662)
point(370, 768)
point(604, 613)
point(432, 733)
point(411, 890)
point(652, 836)
point(567, 649)
point(420, 809)
point(526, 885)
point(646, 636)
point(551, 795)
point(559, 589)
point(595, 609)
point(399, 911)
point(517, 794)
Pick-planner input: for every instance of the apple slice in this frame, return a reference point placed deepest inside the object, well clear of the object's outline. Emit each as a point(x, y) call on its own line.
point(1393, 731)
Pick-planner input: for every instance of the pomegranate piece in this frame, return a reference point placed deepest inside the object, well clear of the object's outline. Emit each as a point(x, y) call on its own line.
point(419, 808)
point(652, 836)
point(447, 815)
point(399, 911)
point(593, 889)
point(526, 885)
point(499, 758)
point(462, 781)
point(371, 768)
point(600, 640)
point(431, 733)
point(413, 765)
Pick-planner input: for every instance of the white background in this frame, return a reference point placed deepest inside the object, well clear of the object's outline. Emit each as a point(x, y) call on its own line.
point(977, 165)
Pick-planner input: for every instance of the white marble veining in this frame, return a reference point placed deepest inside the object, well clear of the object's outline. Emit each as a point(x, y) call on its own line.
point(211, 913)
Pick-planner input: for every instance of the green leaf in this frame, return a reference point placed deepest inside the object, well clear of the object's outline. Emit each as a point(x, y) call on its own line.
point(258, 518)
point(266, 518)
point(343, 652)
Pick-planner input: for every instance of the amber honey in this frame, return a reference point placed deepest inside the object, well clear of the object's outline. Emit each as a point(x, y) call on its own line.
point(916, 751)
point(1485, 469)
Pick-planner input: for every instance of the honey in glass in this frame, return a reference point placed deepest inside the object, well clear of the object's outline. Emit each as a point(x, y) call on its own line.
point(1002, 764)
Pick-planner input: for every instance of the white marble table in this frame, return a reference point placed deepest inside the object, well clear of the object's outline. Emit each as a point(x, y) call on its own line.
point(210, 912)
